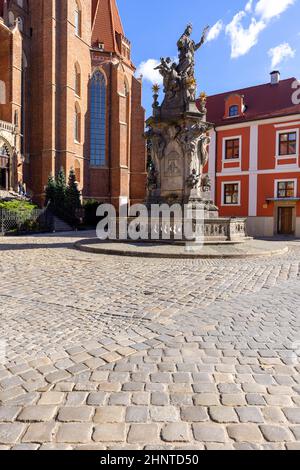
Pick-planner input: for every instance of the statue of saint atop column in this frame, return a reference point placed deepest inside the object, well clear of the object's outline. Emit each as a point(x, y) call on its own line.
point(179, 81)
point(187, 49)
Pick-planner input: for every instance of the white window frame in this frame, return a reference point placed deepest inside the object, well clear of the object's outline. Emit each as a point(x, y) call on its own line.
point(287, 157)
point(232, 160)
point(225, 183)
point(285, 180)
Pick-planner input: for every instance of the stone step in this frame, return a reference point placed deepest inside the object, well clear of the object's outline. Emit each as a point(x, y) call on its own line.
point(61, 226)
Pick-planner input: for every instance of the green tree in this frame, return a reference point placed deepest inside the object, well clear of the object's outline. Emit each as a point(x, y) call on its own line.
point(50, 192)
point(60, 192)
point(73, 199)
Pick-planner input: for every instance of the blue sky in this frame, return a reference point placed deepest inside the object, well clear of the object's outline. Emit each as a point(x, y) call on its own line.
point(247, 37)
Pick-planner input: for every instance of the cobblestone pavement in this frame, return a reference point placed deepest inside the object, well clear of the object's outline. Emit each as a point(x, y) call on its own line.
point(109, 353)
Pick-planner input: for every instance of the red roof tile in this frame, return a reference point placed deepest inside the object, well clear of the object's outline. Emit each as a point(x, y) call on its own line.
point(262, 102)
point(106, 24)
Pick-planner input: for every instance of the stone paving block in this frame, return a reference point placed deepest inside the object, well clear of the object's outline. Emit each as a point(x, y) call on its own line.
point(293, 446)
point(58, 376)
point(8, 395)
point(76, 398)
point(38, 413)
point(223, 414)
point(10, 382)
point(74, 433)
point(10, 433)
point(9, 413)
point(229, 388)
point(122, 398)
point(296, 432)
point(292, 415)
point(143, 434)
point(96, 398)
point(206, 399)
point(99, 376)
point(64, 386)
point(164, 414)
point(229, 399)
point(181, 399)
point(40, 432)
point(136, 414)
point(75, 414)
point(204, 387)
point(133, 387)
point(109, 432)
point(249, 414)
point(194, 414)
point(25, 447)
point(273, 414)
point(159, 398)
point(209, 432)
point(276, 433)
point(51, 398)
point(176, 432)
point(140, 398)
point(110, 414)
point(182, 377)
point(253, 399)
point(85, 387)
point(245, 433)
point(180, 388)
point(161, 377)
point(278, 400)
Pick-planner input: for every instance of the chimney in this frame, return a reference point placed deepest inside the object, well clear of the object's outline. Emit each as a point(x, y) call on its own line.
point(275, 77)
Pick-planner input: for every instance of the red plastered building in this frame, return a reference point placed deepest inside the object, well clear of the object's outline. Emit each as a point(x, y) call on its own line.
point(254, 155)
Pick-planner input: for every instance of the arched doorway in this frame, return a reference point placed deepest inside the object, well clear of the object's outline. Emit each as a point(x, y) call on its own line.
point(5, 160)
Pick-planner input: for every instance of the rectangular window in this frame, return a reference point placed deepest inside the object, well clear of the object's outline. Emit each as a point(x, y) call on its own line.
point(288, 144)
point(232, 149)
point(231, 194)
point(285, 189)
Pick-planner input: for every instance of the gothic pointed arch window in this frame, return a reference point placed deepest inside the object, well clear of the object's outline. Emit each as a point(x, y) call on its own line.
point(4, 165)
point(77, 80)
point(78, 18)
point(77, 123)
point(98, 119)
point(77, 170)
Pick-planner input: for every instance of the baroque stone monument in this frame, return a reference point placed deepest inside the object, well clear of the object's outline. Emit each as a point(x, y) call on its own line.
point(178, 139)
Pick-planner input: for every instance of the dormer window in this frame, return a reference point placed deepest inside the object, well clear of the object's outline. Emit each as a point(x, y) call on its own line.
point(234, 106)
point(233, 111)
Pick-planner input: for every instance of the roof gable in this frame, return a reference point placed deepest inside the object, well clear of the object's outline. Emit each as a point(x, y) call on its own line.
point(262, 102)
point(106, 24)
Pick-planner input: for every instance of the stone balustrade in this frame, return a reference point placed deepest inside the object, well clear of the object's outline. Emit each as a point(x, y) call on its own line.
point(7, 126)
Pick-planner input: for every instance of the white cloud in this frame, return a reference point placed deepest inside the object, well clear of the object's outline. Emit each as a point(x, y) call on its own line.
point(280, 53)
point(146, 69)
point(243, 39)
point(248, 7)
point(215, 31)
point(268, 9)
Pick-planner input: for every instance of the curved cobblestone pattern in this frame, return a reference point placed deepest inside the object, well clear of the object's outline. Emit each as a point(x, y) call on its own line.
point(107, 352)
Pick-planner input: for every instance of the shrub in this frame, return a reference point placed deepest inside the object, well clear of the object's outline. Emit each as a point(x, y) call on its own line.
point(19, 207)
point(90, 210)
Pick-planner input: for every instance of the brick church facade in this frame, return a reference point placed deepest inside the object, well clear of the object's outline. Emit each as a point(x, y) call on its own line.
point(69, 98)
